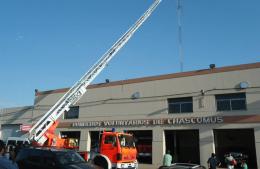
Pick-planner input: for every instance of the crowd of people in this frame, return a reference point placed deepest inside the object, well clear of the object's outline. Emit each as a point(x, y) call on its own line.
point(230, 162)
point(7, 158)
point(213, 162)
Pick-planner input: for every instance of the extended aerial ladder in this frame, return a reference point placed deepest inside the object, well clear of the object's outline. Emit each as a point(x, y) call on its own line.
point(49, 121)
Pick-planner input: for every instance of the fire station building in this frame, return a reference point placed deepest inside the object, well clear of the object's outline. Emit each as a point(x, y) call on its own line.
point(192, 114)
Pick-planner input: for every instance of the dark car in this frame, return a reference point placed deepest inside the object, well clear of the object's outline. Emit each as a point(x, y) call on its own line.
point(183, 166)
point(50, 158)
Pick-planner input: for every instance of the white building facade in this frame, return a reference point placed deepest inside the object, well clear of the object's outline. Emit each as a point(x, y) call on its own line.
point(192, 114)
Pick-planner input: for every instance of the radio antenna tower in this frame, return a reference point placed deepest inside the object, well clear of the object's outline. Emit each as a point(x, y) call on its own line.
point(179, 13)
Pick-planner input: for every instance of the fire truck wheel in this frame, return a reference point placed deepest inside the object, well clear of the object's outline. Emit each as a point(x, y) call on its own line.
point(102, 161)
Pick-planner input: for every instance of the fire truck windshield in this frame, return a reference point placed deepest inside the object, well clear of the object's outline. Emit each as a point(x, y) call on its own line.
point(126, 141)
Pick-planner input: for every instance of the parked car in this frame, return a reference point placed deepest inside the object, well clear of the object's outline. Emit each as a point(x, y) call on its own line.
point(51, 158)
point(183, 166)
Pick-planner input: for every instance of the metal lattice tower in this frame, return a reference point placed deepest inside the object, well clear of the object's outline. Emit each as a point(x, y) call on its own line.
point(179, 14)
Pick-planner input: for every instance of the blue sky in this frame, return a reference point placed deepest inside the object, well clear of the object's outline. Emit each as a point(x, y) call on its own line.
point(51, 44)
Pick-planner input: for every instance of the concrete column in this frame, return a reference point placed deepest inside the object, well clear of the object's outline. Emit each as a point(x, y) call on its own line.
point(257, 145)
point(84, 144)
point(158, 145)
point(206, 144)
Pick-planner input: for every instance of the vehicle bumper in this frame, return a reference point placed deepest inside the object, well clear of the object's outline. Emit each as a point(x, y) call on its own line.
point(133, 165)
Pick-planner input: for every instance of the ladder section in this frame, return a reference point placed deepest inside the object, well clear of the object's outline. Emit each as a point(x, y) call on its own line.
point(80, 87)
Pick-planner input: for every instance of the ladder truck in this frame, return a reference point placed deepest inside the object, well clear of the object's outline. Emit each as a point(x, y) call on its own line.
point(43, 131)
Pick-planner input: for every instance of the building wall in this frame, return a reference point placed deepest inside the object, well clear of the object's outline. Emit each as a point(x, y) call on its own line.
point(12, 118)
point(113, 101)
point(17, 115)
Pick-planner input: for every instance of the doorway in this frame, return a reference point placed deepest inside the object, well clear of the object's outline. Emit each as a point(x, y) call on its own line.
point(239, 142)
point(183, 145)
point(143, 142)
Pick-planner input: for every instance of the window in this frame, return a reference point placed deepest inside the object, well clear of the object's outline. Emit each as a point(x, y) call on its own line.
point(126, 141)
point(68, 158)
point(180, 105)
point(229, 102)
point(110, 139)
point(73, 113)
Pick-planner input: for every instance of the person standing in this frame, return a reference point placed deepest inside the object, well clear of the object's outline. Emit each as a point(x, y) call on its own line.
point(4, 162)
point(213, 162)
point(167, 159)
point(230, 161)
point(13, 153)
point(244, 165)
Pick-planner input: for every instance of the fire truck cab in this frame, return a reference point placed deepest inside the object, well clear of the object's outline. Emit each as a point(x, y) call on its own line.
point(117, 150)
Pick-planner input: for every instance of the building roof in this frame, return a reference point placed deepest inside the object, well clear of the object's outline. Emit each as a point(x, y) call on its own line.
point(162, 77)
